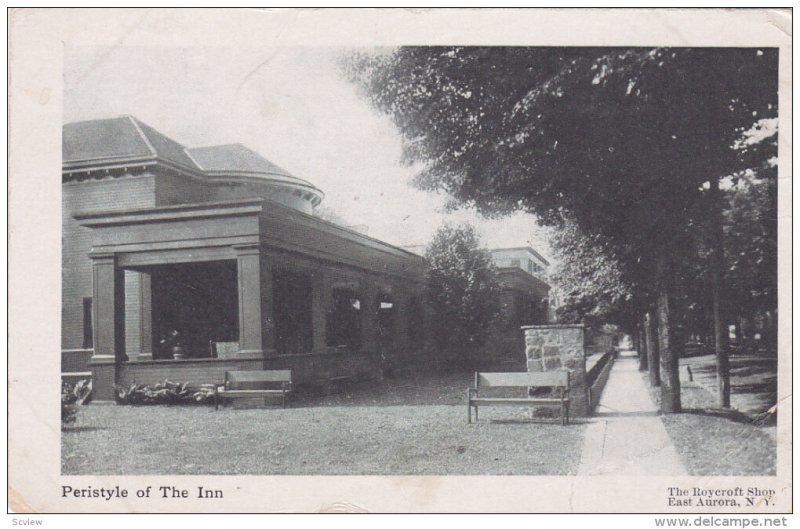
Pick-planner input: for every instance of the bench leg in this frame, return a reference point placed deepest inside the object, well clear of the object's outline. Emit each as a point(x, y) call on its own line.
point(469, 407)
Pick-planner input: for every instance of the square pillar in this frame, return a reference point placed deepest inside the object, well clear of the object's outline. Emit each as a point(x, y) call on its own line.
point(369, 317)
point(145, 317)
point(108, 314)
point(254, 278)
point(402, 302)
point(266, 305)
point(320, 304)
point(138, 316)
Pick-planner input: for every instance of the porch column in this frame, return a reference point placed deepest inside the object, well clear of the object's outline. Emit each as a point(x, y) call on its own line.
point(267, 313)
point(108, 314)
point(138, 316)
point(255, 301)
point(369, 317)
point(145, 317)
point(319, 308)
point(402, 301)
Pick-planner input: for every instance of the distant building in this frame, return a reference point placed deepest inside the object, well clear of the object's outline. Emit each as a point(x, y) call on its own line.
point(181, 263)
point(522, 274)
point(524, 301)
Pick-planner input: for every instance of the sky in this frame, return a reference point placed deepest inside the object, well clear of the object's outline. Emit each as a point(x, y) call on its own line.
point(292, 106)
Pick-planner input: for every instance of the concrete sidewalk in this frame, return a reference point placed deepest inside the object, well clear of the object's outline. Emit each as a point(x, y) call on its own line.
point(626, 435)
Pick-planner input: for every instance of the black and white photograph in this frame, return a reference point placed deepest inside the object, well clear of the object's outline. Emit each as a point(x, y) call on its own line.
point(350, 258)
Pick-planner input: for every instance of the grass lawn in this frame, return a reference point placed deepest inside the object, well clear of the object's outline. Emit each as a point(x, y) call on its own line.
point(714, 442)
point(398, 426)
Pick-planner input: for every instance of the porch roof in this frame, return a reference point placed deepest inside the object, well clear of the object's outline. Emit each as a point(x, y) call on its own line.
point(186, 229)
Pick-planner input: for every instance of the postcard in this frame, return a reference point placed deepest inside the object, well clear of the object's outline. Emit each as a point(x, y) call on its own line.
point(400, 260)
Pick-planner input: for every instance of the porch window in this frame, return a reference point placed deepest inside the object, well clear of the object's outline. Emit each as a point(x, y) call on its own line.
point(343, 327)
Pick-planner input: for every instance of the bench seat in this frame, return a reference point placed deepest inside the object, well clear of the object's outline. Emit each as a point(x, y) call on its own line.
point(557, 381)
point(515, 401)
point(254, 384)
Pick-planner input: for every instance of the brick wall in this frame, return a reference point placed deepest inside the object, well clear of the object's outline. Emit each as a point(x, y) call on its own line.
point(177, 189)
point(191, 371)
point(73, 360)
point(307, 369)
point(109, 193)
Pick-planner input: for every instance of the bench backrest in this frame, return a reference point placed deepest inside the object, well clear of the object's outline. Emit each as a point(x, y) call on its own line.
point(558, 379)
point(281, 378)
point(225, 350)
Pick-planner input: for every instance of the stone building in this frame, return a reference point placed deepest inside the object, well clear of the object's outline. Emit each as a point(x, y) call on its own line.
point(181, 263)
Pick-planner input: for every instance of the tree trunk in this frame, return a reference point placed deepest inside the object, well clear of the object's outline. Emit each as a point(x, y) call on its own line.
point(717, 288)
point(641, 345)
point(667, 344)
point(651, 344)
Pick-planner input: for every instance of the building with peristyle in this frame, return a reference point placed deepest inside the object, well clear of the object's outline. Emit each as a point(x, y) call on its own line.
point(181, 263)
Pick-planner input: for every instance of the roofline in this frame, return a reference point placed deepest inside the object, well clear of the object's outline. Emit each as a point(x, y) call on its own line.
point(258, 175)
point(527, 248)
point(81, 165)
point(109, 164)
point(147, 142)
point(239, 206)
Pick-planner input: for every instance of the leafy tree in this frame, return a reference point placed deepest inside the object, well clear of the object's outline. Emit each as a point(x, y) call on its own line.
point(462, 291)
point(329, 214)
point(588, 278)
point(751, 249)
point(631, 143)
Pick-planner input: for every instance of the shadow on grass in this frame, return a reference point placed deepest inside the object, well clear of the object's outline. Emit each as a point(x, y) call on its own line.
point(79, 429)
point(602, 414)
point(557, 422)
point(762, 419)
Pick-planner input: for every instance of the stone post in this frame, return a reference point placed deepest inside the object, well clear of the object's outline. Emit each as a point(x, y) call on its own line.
point(560, 347)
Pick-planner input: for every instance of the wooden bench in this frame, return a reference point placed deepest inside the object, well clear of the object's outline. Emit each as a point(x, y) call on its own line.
point(250, 384)
point(550, 379)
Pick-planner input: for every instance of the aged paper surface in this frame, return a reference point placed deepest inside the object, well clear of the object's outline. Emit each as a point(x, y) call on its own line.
point(40, 40)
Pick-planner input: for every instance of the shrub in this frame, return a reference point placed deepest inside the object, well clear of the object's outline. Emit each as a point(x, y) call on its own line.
point(165, 393)
point(71, 397)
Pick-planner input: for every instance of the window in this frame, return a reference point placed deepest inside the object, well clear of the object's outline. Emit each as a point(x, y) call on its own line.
point(515, 263)
point(343, 327)
point(88, 339)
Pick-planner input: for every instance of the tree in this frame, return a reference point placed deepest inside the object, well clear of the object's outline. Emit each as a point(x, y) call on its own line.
point(329, 214)
point(587, 277)
point(629, 142)
point(462, 291)
point(751, 249)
